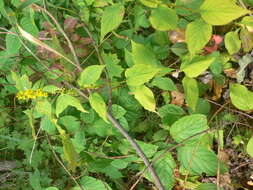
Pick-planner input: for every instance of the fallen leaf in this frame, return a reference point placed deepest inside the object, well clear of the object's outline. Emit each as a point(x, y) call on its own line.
point(177, 98)
point(230, 73)
point(176, 36)
point(217, 89)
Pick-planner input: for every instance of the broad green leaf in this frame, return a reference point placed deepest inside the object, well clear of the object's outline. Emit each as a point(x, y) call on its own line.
point(10, 40)
point(140, 74)
point(65, 100)
point(112, 65)
point(52, 188)
point(164, 83)
point(197, 66)
point(198, 33)
point(90, 75)
point(217, 12)
point(241, 97)
point(28, 24)
point(70, 122)
point(185, 8)
point(118, 111)
point(188, 126)
point(163, 18)
point(250, 147)
point(146, 97)
point(191, 92)
point(207, 186)
point(140, 17)
point(111, 19)
point(23, 82)
point(248, 21)
point(164, 168)
point(2, 7)
point(44, 107)
point(232, 42)
point(34, 179)
point(119, 163)
point(98, 104)
point(197, 160)
point(170, 113)
point(148, 148)
point(90, 183)
point(151, 3)
point(142, 54)
point(47, 125)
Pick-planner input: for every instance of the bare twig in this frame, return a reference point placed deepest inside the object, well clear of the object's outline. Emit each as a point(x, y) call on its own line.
point(235, 111)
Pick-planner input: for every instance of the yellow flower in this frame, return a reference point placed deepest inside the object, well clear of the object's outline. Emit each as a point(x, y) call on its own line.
point(30, 94)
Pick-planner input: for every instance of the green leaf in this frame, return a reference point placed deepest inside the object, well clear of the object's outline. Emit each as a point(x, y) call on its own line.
point(51, 89)
point(47, 125)
point(90, 183)
point(65, 100)
point(198, 33)
point(142, 54)
point(163, 18)
point(29, 26)
point(170, 113)
point(197, 160)
point(250, 147)
point(146, 97)
point(191, 92)
point(118, 111)
point(248, 21)
point(119, 163)
point(70, 122)
point(111, 19)
point(232, 42)
point(148, 148)
point(44, 107)
point(140, 74)
point(241, 97)
point(197, 66)
point(207, 186)
point(98, 104)
point(151, 3)
point(164, 168)
point(164, 83)
point(90, 75)
point(217, 12)
point(10, 40)
point(34, 179)
point(112, 65)
point(188, 126)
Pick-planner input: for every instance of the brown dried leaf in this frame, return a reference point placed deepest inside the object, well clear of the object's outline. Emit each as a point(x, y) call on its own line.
point(176, 36)
point(230, 73)
point(177, 98)
point(217, 89)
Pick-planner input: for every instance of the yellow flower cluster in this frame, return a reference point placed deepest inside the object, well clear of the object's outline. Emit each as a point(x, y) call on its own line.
point(31, 94)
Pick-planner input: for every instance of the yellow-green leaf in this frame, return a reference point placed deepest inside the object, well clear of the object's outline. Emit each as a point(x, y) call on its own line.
point(191, 92)
point(221, 12)
point(65, 100)
point(241, 97)
point(98, 104)
point(140, 73)
point(145, 97)
point(111, 19)
point(90, 75)
point(163, 18)
point(198, 33)
point(232, 42)
point(250, 147)
point(197, 66)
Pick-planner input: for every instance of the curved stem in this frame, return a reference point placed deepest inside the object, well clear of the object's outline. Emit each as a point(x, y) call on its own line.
point(138, 151)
